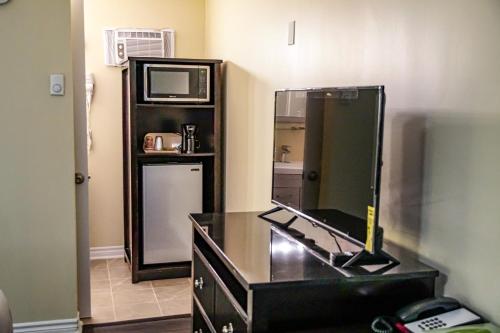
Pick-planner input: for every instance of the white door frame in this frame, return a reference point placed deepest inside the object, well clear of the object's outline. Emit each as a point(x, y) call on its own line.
point(81, 157)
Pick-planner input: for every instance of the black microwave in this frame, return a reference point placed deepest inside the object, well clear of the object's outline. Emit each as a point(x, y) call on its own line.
point(176, 83)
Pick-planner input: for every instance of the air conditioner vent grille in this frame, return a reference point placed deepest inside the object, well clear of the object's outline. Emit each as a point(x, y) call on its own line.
point(139, 34)
point(144, 48)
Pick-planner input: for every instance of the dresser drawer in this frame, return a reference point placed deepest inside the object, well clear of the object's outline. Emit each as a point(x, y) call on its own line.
point(203, 286)
point(287, 195)
point(199, 324)
point(287, 180)
point(227, 318)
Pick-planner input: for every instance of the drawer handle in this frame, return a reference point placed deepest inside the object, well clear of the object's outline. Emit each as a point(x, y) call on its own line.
point(198, 283)
point(228, 329)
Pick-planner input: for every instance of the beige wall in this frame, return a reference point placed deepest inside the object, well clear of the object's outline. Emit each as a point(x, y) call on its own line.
point(440, 63)
point(187, 17)
point(37, 201)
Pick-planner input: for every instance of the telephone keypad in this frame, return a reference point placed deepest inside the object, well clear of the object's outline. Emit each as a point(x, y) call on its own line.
point(431, 324)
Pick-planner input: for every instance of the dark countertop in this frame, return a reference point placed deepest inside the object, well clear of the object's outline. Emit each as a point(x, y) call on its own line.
point(259, 253)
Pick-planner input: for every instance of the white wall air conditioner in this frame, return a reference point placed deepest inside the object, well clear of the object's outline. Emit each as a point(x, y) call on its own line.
point(119, 44)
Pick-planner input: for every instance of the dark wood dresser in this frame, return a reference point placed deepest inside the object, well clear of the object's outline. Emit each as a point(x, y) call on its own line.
point(250, 276)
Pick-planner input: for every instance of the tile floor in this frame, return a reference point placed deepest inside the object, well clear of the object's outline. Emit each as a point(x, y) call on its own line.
point(115, 298)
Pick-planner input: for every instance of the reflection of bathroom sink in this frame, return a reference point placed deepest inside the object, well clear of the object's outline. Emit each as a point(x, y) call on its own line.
point(292, 168)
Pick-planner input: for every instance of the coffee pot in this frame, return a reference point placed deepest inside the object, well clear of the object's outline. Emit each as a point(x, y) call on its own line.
point(189, 141)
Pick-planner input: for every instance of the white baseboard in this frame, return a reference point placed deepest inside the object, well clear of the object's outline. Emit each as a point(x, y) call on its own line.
point(106, 252)
point(50, 326)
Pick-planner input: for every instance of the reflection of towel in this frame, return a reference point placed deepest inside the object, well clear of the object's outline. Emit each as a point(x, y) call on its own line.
point(89, 87)
point(5, 317)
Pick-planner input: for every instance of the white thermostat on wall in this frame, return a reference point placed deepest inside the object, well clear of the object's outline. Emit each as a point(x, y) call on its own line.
point(57, 84)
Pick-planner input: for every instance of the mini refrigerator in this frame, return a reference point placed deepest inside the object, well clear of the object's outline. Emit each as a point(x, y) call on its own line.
point(170, 192)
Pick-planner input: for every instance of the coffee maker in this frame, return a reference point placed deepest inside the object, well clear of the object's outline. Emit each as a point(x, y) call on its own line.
point(189, 141)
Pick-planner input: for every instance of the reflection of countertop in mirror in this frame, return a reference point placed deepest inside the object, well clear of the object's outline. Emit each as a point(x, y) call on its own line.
point(292, 168)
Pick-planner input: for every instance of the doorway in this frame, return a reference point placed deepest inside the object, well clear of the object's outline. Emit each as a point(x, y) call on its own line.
point(106, 293)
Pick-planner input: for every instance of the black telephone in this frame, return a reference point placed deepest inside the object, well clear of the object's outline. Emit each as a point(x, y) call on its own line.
point(426, 315)
point(427, 308)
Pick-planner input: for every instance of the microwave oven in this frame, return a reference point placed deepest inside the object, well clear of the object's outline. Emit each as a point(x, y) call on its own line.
point(176, 83)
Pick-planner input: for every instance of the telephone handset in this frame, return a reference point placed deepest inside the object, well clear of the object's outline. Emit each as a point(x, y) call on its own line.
point(427, 308)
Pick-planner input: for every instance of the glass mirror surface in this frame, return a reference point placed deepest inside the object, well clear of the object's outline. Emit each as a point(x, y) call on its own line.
point(326, 164)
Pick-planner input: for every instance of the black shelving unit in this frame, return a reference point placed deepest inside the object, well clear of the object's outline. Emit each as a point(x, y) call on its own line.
point(140, 118)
